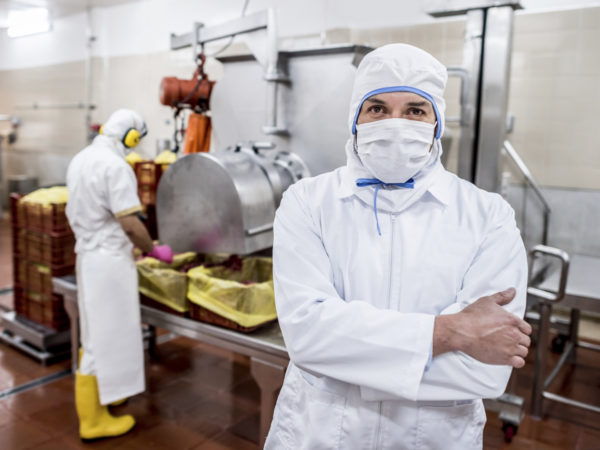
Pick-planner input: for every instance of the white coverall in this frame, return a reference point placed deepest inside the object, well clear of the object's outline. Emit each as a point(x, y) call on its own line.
point(103, 187)
point(357, 308)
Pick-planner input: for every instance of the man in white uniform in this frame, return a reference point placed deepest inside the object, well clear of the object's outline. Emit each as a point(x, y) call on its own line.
point(102, 208)
point(399, 287)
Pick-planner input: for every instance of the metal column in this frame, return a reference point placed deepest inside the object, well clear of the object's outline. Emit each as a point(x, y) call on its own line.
point(495, 76)
point(486, 61)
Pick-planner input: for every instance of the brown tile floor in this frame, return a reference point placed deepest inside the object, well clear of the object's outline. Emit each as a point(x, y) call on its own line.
point(199, 397)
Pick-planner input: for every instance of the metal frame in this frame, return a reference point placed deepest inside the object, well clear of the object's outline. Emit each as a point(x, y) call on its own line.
point(514, 156)
point(495, 77)
point(274, 75)
point(265, 347)
point(33, 339)
point(546, 298)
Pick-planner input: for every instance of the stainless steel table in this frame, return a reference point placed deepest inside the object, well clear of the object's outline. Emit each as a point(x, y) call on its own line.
point(581, 292)
point(264, 347)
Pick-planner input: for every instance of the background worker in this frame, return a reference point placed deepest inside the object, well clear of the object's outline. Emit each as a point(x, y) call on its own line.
point(102, 208)
point(399, 287)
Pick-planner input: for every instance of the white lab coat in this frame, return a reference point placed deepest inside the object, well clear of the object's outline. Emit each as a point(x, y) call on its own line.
point(102, 187)
point(357, 312)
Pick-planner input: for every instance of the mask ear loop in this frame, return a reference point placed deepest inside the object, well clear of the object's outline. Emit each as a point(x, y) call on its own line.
point(434, 133)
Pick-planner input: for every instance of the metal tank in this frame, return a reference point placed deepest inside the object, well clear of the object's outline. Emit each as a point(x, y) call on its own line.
point(225, 202)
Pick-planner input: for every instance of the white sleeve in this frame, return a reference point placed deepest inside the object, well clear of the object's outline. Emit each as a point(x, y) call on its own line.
point(500, 263)
point(122, 191)
point(349, 341)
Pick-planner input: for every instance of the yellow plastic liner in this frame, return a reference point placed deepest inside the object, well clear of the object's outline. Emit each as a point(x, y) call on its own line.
point(48, 196)
point(163, 283)
point(222, 290)
point(133, 157)
point(166, 157)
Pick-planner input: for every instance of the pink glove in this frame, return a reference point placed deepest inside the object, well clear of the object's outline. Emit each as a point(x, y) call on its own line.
point(162, 253)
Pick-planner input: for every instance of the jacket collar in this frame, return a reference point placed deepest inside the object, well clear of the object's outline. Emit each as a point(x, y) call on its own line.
point(439, 189)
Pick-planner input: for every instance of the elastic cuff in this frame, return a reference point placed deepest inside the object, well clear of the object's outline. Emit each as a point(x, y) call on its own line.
point(129, 211)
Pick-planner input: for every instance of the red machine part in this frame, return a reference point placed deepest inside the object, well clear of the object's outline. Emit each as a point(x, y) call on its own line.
point(175, 92)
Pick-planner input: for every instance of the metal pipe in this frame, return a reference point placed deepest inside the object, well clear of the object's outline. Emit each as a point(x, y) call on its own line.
point(588, 346)
point(35, 106)
point(510, 150)
point(559, 365)
point(537, 393)
point(88, 71)
point(568, 401)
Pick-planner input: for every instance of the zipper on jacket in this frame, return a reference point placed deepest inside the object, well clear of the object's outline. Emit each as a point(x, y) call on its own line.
point(389, 302)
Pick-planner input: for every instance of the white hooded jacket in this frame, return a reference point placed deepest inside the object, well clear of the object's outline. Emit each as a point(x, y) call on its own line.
point(357, 308)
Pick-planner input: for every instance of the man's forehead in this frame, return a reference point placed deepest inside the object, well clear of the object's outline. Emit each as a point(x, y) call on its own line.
point(400, 98)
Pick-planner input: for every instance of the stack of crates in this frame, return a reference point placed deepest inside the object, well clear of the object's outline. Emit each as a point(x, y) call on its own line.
point(148, 175)
point(43, 247)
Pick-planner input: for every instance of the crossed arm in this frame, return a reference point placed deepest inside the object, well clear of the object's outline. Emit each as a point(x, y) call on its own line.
point(474, 341)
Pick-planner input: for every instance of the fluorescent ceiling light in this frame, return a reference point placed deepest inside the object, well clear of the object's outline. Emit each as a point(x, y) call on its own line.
point(27, 21)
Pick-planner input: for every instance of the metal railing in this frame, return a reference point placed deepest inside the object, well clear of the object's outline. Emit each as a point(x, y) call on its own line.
point(514, 156)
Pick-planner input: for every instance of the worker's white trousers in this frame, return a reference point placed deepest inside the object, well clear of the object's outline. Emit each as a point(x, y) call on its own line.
point(110, 323)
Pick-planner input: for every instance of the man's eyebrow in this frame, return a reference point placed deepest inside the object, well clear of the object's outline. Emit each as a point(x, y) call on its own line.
point(376, 100)
point(423, 103)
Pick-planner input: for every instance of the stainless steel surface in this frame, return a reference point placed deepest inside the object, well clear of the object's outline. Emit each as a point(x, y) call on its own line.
point(470, 108)
point(274, 74)
point(514, 156)
point(581, 292)
point(550, 294)
point(470, 86)
point(583, 285)
point(321, 85)
point(495, 76)
point(265, 347)
point(43, 356)
point(449, 8)
point(32, 333)
point(22, 184)
point(267, 340)
point(223, 202)
point(245, 24)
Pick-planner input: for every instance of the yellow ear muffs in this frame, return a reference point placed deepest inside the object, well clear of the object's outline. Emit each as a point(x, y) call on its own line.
point(132, 138)
point(101, 131)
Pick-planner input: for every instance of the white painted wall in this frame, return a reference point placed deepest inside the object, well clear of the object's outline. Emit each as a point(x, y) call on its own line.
point(145, 26)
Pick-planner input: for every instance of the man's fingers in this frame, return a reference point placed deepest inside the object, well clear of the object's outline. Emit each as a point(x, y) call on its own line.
point(504, 297)
point(517, 362)
point(522, 351)
point(524, 327)
point(524, 340)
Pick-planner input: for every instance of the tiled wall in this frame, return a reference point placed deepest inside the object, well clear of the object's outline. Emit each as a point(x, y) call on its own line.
point(554, 96)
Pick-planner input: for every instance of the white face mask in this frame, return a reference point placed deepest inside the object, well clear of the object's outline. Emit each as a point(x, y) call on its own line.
point(394, 150)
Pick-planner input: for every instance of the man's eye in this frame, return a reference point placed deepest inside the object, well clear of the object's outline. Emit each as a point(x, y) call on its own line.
point(416, 111)
point(376, 109)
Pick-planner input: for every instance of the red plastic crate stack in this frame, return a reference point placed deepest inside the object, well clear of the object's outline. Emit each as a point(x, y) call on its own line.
point(148, 175)
point(43, 247)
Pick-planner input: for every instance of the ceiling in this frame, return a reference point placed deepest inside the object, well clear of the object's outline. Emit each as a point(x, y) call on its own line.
point(57, 8)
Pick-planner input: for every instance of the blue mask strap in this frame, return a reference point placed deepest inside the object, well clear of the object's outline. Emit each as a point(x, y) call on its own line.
point(361, 182)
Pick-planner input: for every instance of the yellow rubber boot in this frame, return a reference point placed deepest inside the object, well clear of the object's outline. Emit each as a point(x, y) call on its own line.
point(94, 419)
point(118, 402)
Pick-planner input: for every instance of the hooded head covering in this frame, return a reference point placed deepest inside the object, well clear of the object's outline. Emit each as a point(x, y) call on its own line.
point(396, 68)
point(120, 123)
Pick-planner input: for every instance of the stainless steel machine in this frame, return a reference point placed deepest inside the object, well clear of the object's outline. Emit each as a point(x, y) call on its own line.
point(273, 103)
point(225, 202)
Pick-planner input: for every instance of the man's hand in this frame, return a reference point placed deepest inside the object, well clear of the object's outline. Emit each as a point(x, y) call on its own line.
point(485, 331)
